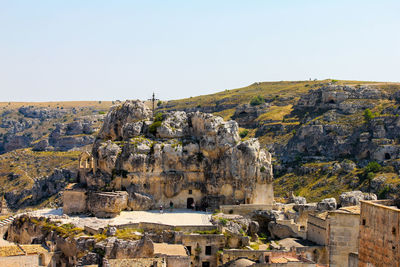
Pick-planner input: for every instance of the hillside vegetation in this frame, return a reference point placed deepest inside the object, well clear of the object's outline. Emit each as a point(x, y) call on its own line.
point(322, 135)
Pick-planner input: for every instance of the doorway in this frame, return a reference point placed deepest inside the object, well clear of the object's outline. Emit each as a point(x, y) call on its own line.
point(189, 203)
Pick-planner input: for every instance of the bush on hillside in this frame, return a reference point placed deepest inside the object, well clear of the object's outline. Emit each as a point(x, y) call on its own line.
point(257, 100)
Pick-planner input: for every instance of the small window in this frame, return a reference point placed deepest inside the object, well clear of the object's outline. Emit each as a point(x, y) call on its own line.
point(363, 222)
point(190, 191)
point(189, 248)
point(208, 250)
point(394, 230)
point(205, 264)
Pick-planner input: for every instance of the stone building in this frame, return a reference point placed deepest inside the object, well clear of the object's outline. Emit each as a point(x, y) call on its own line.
point(194, 160)
point(338, 230)
point(379, 233)
point(25, 256)
point(203, 249)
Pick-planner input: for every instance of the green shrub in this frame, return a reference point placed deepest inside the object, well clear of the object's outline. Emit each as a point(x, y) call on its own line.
point(223, 221)
point(158, 117)
point(243, 133)
point(368, 116)
point(373, 166)
point(159, 103)
point(262, 169)
point(257, 100)
point(153, 127)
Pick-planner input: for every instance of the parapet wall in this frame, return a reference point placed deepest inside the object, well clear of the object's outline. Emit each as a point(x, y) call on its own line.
point(244, 209)
point(157, 227)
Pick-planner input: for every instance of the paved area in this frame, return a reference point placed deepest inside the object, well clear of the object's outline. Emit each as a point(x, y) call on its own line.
point(176, 217)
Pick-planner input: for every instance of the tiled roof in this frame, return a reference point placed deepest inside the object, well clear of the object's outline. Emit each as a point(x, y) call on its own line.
point(12, 250)
point(33, 249)
point(169, 249)
point(351, 209)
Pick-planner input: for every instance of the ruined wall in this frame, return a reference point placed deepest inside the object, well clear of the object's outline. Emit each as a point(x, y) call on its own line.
point(74, 201)
point(343, 237)
point(379, 234)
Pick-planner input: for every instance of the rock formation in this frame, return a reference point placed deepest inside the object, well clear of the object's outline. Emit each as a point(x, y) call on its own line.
point(180, 157)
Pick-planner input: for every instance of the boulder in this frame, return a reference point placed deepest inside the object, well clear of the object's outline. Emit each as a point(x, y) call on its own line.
point(353, 198)
point(107, 204)
point(137, 201)
point(327, 204)
point(280, 231)
point(121, 249)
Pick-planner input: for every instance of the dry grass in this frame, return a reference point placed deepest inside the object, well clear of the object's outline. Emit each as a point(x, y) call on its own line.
point(276, 113)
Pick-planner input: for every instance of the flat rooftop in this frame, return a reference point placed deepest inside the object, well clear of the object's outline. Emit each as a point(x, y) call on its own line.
point(177, 217)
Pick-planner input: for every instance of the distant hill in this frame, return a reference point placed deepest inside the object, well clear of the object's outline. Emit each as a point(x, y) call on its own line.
point(319, 133)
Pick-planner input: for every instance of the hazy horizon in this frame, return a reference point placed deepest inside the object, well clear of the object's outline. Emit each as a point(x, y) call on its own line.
point(100, 50)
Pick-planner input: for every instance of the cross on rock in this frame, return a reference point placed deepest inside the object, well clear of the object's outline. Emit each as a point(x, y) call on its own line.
point(153, 100)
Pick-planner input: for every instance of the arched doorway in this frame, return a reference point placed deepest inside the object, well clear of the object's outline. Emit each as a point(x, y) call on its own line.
point(189, 202)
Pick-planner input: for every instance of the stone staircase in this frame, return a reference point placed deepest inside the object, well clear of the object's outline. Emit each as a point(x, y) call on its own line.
point(8, 221)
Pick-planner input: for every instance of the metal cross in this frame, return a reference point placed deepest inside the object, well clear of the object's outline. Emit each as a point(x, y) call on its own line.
point(153, 100)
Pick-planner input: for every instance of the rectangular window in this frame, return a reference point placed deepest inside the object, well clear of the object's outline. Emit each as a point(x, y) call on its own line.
point(208, 250)
point(190, 191)
point(189, 248)
point(205, 264)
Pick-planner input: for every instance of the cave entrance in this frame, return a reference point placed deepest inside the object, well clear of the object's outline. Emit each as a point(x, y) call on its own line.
point(189, 203)
point(387, 156)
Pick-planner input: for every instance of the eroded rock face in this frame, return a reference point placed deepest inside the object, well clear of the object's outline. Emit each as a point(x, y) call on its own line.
point(185, 151)
point(120, 249)
point(246, 115)
point(339, 97)
point(119, 115)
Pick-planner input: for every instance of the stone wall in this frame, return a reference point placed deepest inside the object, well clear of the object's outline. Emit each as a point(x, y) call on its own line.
point(317, 230)
point(343, 237)
point(198, 244)
point(178, 261)
point(74, 201)
point(22, 260)
point(379, 234)
point(244, 209)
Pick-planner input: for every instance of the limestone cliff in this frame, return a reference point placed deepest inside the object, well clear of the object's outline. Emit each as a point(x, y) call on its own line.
point(180, 157)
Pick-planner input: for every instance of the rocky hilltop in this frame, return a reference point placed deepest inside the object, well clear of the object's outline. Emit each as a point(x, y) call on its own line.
point(176, 156)
point(322, 136)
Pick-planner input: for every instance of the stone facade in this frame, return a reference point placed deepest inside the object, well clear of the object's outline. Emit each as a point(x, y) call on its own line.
point(379, 234)
point(343, 236)
point(203, 248)
point(338, 230)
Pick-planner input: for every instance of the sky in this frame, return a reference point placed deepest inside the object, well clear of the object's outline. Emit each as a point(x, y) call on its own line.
point(108, 50)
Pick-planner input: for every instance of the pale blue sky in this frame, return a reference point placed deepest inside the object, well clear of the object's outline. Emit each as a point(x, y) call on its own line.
point(105, 50)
